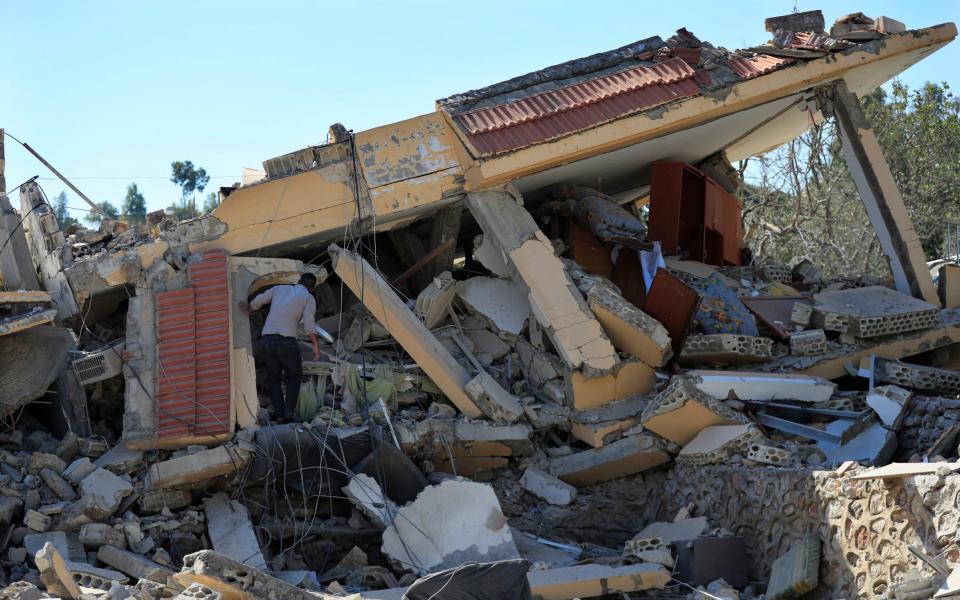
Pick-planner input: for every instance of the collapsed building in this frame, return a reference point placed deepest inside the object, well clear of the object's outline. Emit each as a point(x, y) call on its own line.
point(547, 353)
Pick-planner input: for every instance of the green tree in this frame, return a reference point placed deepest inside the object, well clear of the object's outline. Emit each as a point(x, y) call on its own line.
point(211, 202)
point(192, 180)
point(107, 208)
point(799, 200)
point(134, 206)
point(60, 211)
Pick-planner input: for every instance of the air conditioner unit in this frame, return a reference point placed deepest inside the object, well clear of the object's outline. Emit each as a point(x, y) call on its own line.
point(92, 367)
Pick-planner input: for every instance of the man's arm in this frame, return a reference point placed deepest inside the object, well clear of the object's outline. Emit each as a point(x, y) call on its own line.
point(258, 302)
point(310, 325)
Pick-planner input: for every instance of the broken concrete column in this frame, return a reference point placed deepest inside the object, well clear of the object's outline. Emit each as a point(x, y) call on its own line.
point(134, 565)
point(556, 303)
point(681, 411)
point(547, 487)
point(879, 194)
point(383, 303)
point(630, 455)
point(447, 525)
point(16, 264)
point(58, 484)
point(193, 469)
point(231, 532)
point(49, 249)
point(499, 405)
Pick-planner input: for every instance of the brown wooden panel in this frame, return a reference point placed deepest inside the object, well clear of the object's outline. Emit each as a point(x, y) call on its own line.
point(674, 304)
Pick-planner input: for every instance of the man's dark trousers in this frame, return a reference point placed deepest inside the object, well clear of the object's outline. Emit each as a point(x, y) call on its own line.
point(281, 355)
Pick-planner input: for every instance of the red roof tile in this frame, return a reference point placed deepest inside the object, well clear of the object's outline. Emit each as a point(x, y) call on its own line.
point(761, 64)
point(544, 116)
point(578, 95)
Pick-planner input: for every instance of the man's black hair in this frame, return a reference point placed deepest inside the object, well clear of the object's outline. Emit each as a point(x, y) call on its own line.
point(308, 280)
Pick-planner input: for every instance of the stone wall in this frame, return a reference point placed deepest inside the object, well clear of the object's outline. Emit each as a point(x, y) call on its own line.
point(865, 526)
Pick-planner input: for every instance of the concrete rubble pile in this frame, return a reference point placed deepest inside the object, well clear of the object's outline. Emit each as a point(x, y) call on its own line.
point(529, 374)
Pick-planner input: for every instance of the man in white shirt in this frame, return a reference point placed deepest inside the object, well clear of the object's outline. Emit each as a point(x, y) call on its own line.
point(289, 306)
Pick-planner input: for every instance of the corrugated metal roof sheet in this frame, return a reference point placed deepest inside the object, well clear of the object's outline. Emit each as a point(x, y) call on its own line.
point(540, 117)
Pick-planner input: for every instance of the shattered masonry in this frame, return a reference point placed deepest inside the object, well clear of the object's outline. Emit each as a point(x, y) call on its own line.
point(524, 381)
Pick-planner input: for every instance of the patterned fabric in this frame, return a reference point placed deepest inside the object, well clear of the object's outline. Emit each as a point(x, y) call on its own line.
point(721, 310)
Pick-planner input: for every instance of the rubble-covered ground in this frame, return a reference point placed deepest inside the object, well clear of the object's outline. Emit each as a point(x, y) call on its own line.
point(553, 409)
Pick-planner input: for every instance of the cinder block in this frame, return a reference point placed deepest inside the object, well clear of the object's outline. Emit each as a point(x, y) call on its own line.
point(808, 343)
point(769, 455)
point(726, 348)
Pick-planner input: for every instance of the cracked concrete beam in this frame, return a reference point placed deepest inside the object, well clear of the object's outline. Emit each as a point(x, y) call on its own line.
point(376, 294)
point(556, 303)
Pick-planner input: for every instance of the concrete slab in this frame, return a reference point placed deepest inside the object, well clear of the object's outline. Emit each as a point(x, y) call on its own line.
point(746, 385)
point(365, 493)
point(632, 454)
point(501, 301)
point(890, 403)
point(715, 444)
point(447, 525)
point(30, 362)
point(875, 444)
point(681, 411)
point(196, 468)
point(231, 532)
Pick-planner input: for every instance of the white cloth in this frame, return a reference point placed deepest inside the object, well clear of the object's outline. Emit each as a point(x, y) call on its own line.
point(289, 305)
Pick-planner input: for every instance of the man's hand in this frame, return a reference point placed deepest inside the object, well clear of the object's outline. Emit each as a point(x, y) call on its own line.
point(244, 308)
point(316, 346)
point(316, 354)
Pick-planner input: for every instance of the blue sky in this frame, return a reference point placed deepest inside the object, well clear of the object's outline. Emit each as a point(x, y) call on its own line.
point(113, 92)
